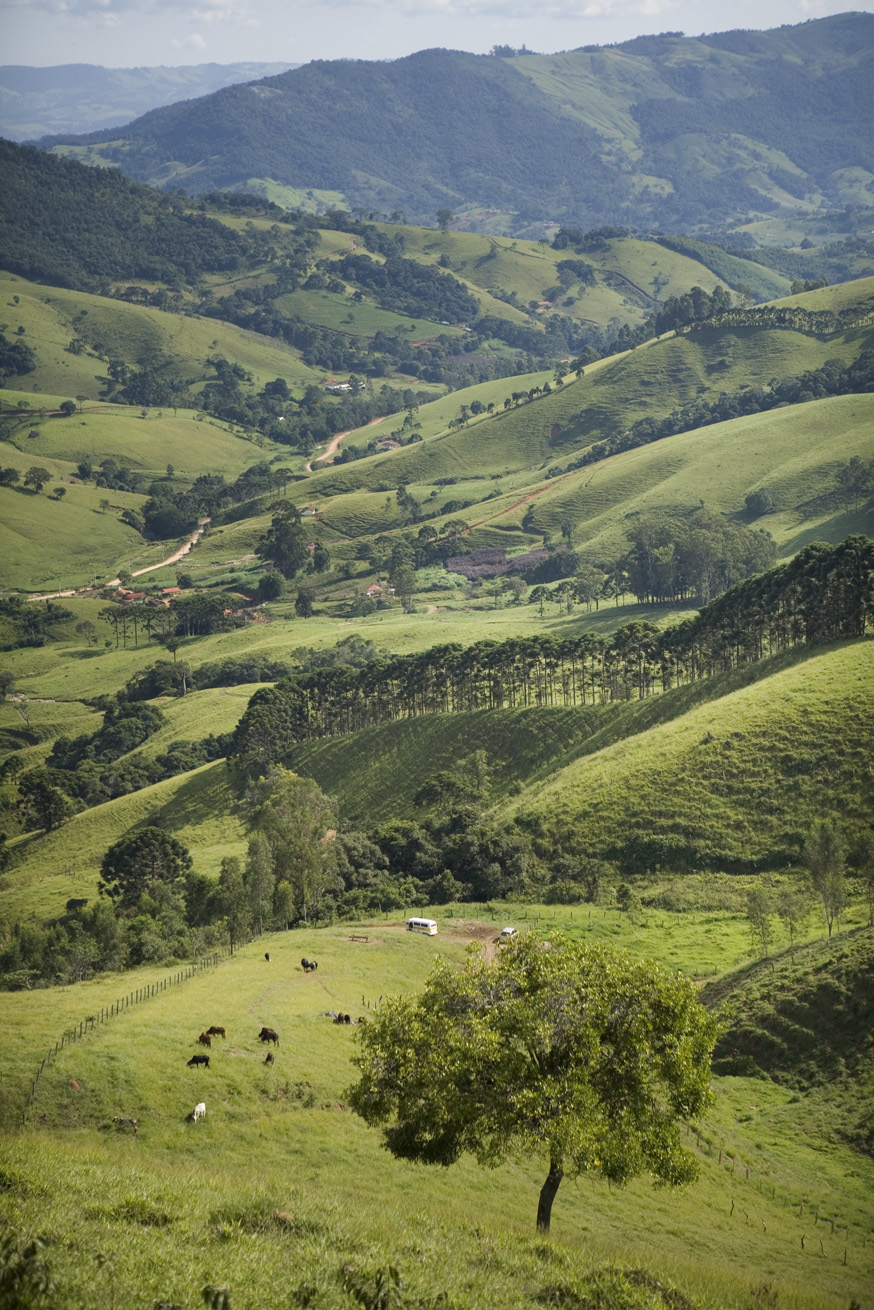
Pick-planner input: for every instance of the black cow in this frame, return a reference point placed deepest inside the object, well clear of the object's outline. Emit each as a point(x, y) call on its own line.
point(76, 903)
point(268, 1058)
point(269, 1035)
point(309, 965)
point(198, 1059)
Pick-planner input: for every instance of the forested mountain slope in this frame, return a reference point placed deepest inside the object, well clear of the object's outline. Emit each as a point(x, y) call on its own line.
point(667, 131)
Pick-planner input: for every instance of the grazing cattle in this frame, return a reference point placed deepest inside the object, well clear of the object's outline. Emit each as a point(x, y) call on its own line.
point(125, 1125)
point(198, 1111)
point(198, 1059)
point(76, 903)
point(268, 1058)
point(309, 965)
point(269, 1035)
point(267, 956)
point(75, 1086)
point(205, 1039)
point(215, 1031)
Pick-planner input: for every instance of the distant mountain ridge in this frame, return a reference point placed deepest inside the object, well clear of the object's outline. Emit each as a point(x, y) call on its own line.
point(36, 102)
point(668, 132)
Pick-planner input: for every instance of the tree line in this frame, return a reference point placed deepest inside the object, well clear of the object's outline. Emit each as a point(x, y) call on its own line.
point(834, 378)
point(825, 593)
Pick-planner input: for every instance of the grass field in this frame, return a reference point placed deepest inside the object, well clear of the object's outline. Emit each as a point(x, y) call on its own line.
point(742, 777)
point(279, 1187)
point(51, 317)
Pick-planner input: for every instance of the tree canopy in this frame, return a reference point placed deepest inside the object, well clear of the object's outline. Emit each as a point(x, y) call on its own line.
point(557, 1048)
point(138, 860)
point(297, 821)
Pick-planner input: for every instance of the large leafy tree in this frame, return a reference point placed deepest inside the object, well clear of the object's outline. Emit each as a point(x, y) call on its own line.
point(297, 821)
point(284, 544)
point(138, 860)
point(570, 1051)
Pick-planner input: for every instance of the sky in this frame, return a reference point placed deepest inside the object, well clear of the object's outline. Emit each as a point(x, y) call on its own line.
point(138, 33)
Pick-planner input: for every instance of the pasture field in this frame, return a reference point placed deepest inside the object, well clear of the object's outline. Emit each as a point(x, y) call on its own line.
point(147, 445)
point(793, 453)
point(279, 1187)
point(606, 400)
point(215, 710)
point(52, 316)
point(358, 319)
point(66, 669)
point(740, 777)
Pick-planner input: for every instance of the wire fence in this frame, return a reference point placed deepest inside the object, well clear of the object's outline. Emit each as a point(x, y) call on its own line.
point(812, 1221)
point(135, 997)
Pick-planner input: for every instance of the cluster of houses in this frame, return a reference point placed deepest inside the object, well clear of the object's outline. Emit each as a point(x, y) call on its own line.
point(127, 597)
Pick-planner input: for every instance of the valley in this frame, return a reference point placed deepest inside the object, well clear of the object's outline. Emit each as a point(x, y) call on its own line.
point(504, 574)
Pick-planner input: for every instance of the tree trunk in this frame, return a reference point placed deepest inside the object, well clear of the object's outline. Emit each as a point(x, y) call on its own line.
point(547, 1195)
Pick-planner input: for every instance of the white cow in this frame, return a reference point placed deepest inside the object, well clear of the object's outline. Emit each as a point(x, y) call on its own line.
point(198, 1111)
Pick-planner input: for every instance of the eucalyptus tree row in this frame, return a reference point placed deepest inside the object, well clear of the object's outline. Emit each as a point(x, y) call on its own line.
point(826, 593)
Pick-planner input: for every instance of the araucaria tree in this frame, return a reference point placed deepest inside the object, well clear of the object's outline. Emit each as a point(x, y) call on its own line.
point(140, 859)
point(569, 1051)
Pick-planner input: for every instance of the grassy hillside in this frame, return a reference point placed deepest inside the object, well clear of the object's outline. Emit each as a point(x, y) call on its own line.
point(732, 772)
point(605, 401)
point(795, 453)
point(296, 1187)
point(179, 343)
point(739, 779)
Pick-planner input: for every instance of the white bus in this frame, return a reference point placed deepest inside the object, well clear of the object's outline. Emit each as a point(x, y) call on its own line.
point(428, 926)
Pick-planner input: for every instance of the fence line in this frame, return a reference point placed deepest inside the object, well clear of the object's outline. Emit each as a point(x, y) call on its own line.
point(745, 1173)
point(134, 997)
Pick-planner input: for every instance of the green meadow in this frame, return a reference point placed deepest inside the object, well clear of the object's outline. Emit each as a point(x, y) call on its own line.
point(279, 1188)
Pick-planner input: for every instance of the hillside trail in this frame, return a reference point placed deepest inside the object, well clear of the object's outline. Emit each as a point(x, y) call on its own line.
point(334, 444)
point(135, 573)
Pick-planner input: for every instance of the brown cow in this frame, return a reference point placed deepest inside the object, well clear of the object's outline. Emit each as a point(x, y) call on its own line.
point(205, 1039)
point(268, 1058)
point(215, 1031)
point(269, 1035)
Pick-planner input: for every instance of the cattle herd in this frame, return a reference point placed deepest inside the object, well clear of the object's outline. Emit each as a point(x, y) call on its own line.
point(267, 1035)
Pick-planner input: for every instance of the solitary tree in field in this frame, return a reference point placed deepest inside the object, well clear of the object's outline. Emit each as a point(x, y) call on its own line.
point(572, 1052)
point(824, 861)
point(284, 544)
point(759, 919)
point(36, 477)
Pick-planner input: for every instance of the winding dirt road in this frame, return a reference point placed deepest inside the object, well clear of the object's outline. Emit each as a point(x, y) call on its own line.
point(135, 573)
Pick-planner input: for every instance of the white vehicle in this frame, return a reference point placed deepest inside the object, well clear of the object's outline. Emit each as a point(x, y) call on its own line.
point(507, 934)
point(428, 926)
